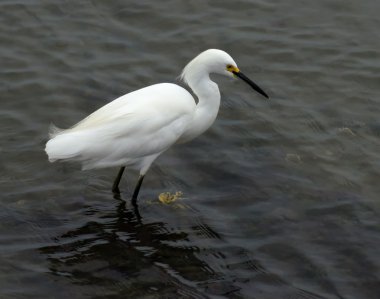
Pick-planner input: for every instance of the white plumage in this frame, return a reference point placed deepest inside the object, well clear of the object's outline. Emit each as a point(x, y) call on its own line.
point(136, 128)
point(129, 131)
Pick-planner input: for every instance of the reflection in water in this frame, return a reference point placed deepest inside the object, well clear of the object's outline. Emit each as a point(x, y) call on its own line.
point(128, 256)
point(121, 253)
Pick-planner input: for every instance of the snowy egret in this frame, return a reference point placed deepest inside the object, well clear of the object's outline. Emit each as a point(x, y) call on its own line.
point(133, 130)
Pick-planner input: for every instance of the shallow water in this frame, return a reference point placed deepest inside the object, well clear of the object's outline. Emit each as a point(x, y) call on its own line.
point(280, 197)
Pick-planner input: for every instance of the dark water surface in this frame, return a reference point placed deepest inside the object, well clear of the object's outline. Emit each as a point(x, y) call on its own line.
point(281, 197)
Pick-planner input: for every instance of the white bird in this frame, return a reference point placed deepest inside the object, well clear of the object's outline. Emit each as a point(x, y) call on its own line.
point(133, 130)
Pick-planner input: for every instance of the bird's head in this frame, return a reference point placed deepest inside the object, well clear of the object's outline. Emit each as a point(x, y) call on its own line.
point(219, 62)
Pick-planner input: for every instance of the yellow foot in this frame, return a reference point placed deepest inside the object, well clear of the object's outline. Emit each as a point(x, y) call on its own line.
point(168, 198)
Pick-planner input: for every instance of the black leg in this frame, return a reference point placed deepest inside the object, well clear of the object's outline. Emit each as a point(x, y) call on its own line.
point(137, 189)
point(115, 187)
point(122, 211)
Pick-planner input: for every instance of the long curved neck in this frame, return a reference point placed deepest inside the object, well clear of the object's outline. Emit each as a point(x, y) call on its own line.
point(207, 107)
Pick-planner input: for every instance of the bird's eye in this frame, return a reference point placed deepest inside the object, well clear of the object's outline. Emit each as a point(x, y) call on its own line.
point(229, 66)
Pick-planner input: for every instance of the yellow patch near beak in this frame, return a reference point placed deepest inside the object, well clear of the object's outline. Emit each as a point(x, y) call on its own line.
point(233, 69)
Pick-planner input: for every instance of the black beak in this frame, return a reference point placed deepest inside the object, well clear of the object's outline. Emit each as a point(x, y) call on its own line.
point(251, 83)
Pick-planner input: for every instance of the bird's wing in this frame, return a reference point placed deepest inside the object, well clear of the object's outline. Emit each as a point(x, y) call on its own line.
point(141, 123)
point(169, 99)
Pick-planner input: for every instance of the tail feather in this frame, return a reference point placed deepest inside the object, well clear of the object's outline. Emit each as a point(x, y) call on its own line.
point(62, 147)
